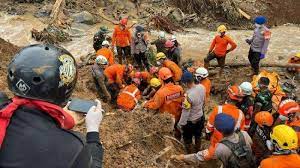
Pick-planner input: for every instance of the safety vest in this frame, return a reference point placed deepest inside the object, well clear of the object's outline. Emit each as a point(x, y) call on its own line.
point(128, 98)
point(133, 94)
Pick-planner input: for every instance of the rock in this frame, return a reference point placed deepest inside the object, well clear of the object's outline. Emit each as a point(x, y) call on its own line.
point(45, 11)
point(84, 17)
point(280, 58)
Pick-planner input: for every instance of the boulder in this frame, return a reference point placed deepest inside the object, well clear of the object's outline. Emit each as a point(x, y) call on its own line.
point(84, 17)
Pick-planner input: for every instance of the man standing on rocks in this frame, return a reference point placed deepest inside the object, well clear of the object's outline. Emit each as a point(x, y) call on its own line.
point(258, 43)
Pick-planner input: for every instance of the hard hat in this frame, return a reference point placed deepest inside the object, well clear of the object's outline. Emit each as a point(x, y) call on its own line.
point(222, 28)
point(124, 21)
point(288, 106)
point(160, 55)
point(260, 20)
point(104, 29)
point(162, 34)
point(105, 43)
point(285, 137)
point(187, 77)
point(43, 72)
point(101, 60)
point(201, 72)
point(264, 118)
point(154, 82)
point(298, 55)
point(173, 38)
point(153, 70)
point(138, 75)
point(234, 93)
point(139, 28)
point(165, 73)
point(246, 88)
point(169, 44)
point(224, 123)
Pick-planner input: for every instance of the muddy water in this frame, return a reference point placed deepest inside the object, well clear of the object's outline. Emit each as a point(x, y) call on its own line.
point(284, 43)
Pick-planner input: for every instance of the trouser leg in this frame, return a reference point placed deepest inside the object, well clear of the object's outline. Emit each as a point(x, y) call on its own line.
point(254, 59)
point(145, 60)
point(127, 53)
point(120, 54)
point(221, 63)
point(188, 137)
point(138, 61)
point(209, 57)
point(198, 127)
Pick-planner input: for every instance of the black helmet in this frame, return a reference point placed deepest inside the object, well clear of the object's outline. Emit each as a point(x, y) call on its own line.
point(43, 72)
point(139, 29)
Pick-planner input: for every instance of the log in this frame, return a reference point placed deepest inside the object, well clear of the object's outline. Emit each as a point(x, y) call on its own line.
point(242, 64)
point(56, 10)
point(161, 153)
point(244, 14)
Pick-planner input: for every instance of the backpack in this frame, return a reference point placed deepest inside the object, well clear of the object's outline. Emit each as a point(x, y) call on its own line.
point(242, 156)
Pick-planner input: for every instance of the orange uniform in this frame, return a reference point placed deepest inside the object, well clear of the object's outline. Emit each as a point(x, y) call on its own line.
point(167, 99)
point(219, 45)
point(121, 38)
point(176, 70)
point(146, 76)
point(207, 84)
point(128, 98)
point(217, 136)
point(115, 74)
point(281, 161)
point(108, 54)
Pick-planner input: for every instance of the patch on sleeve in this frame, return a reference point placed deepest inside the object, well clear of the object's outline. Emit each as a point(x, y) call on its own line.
point(67, 70)
point(186, 104)
point(267, 34)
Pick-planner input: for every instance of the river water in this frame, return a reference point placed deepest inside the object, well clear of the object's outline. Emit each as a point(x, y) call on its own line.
point(285, 39)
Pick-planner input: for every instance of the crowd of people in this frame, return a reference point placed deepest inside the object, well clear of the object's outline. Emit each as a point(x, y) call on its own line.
point(246, 131)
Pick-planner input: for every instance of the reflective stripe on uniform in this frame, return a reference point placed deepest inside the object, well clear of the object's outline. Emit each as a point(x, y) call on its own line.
point(238, 123)
point(220, 109)
point(132, 94)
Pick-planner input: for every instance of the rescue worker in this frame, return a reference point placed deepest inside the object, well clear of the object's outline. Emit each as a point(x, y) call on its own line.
point(168, 99)
point(152, 88)
point(173, 52)
point(139, 46)
point(258, 43)
point(192, 117)
point(129, 97)
point(289, 114)
point(294, 60)
point(234, 150)
point(100, 80)
point(106, 52)
point(99, 37)
point(160, 42)
point(35, 131)
point(260, 132)
point(122, 39)
point(144, 77)
point(116, 75)
point(284, 140)
point(218, 48)
point(247, 103)
point(174, 40)
point(201, 75)
point(263, 99)
point(162, 60)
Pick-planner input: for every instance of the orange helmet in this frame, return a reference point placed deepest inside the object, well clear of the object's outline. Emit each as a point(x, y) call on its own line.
point(124, 21)
point(234, 93)
point(288, 106)
point(264, 118)
point(165, 73)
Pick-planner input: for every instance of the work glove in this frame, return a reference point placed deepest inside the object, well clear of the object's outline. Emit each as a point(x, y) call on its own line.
point(94, 117)
point(262, 56)
point(248, 41)
point(269, 145)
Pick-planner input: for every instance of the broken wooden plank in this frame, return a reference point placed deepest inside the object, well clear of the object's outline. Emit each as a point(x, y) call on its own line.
point(244, 14)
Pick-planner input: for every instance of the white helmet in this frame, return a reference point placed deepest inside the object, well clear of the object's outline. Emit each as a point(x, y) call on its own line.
point(162, 34)
point(105, 43)
point(173, 38)
point(101, 60)
point(201, 72)
point(246, 88)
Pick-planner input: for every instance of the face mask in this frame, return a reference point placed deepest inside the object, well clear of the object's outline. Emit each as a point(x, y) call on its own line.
point(257, 25)
point(158, 63)
point(283, 118)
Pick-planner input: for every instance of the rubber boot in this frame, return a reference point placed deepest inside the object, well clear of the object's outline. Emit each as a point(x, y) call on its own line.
point(188, 148)
point(120, 59)
point(197, 146)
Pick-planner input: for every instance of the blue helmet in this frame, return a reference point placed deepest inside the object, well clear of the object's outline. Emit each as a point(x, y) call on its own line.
point(187, 77)
point(224, 123)
point(260, 20)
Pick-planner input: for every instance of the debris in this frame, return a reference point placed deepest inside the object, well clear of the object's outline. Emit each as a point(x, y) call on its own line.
point(244, 64)
point(244, 14)
point(164, 23)
point(161, 153)
point(84, 17)
point(51, 34)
